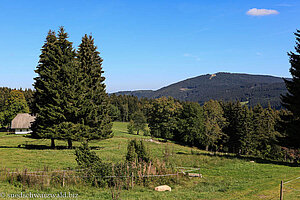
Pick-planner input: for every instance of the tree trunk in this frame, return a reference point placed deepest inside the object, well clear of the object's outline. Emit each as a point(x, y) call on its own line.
point(206, 148)
point(52, 143)
point(70, 144)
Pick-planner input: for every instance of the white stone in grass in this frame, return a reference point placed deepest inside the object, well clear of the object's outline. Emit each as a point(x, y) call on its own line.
point(195, 175)
point(163, 188)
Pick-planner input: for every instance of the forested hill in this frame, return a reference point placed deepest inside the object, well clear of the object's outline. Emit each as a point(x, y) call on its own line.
point(248, 88)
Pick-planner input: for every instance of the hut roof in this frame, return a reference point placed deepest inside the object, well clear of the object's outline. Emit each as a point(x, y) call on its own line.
point(22, 120)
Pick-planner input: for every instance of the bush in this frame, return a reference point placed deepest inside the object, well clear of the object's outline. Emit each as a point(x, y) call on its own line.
point(136, 151)
point(130, 127)
point(95, 171)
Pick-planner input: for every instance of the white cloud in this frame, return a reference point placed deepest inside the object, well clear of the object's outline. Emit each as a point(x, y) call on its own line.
point(261, 12)
point(192, 56)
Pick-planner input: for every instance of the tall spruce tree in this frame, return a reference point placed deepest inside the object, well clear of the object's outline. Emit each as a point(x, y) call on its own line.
point(67, 128)
point(70, 100)
point(291, 100)
point(233, 115)
point(55, 89)
point(239, 129)
point(93, 101)
point(45, 86)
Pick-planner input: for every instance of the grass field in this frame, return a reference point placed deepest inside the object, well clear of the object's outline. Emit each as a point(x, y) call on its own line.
point(224, 176)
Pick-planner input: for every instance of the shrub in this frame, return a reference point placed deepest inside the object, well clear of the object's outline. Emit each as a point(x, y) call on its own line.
point(136, 151)
point(95, 171)
point(130, 127)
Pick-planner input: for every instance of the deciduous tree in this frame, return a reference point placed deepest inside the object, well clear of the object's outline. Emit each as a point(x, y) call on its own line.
point(163, 117)
point(214, 123)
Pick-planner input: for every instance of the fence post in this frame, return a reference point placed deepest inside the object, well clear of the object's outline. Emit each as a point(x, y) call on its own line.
point(131, 179)
point(63, 182)
point(281, 190)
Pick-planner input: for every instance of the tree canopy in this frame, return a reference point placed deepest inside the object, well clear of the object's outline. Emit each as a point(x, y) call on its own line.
point(70, 99)
point(291, 100)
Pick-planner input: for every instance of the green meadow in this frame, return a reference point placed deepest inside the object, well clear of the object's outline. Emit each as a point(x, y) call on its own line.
point(224, 175)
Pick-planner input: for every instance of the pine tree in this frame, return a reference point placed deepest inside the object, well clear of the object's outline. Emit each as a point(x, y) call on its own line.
point(130, 127)
point(70, 99)
point(67, 128)
point(233, 115)
point(93, 103)
point(45, 86)
point(291, 100)
point(55, 89)
point(136, 151)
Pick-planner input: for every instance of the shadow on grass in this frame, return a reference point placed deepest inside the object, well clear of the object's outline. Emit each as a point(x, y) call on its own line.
point(236, 156)
point(45, 147)
point(243, 157)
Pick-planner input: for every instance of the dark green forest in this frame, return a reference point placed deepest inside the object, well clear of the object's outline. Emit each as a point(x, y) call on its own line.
point(250, 89)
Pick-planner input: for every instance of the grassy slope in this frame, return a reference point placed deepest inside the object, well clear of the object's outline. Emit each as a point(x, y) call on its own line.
point(223, 178)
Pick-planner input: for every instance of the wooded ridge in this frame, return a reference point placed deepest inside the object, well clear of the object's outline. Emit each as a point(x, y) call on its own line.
point(251, 89)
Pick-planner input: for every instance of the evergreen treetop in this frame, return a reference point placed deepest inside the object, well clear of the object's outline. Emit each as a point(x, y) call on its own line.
point(291, 100)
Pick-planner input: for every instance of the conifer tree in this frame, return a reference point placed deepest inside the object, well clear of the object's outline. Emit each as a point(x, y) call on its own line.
point(291, 100)
point(233, 115)
point(93, 100)
point(67, 127)
point(70, 100)
point(55, 89)
point(45, 86)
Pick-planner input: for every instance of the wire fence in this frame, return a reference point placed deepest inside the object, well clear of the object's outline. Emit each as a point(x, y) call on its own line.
point(181, 170)
point(291, 180)
point(289, 187)
point(66, 173)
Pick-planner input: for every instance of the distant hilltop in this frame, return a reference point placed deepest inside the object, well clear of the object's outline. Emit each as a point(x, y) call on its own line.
point(247, 88)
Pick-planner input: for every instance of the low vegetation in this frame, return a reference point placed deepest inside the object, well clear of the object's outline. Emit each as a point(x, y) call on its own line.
point(225, 176)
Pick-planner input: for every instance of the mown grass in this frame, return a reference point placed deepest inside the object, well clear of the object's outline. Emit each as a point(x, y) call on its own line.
point(224, 176)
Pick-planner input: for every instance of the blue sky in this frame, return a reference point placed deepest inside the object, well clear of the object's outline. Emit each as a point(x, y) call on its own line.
point(151, 44)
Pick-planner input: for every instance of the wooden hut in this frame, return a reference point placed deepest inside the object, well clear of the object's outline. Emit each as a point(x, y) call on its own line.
point(22, 122)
